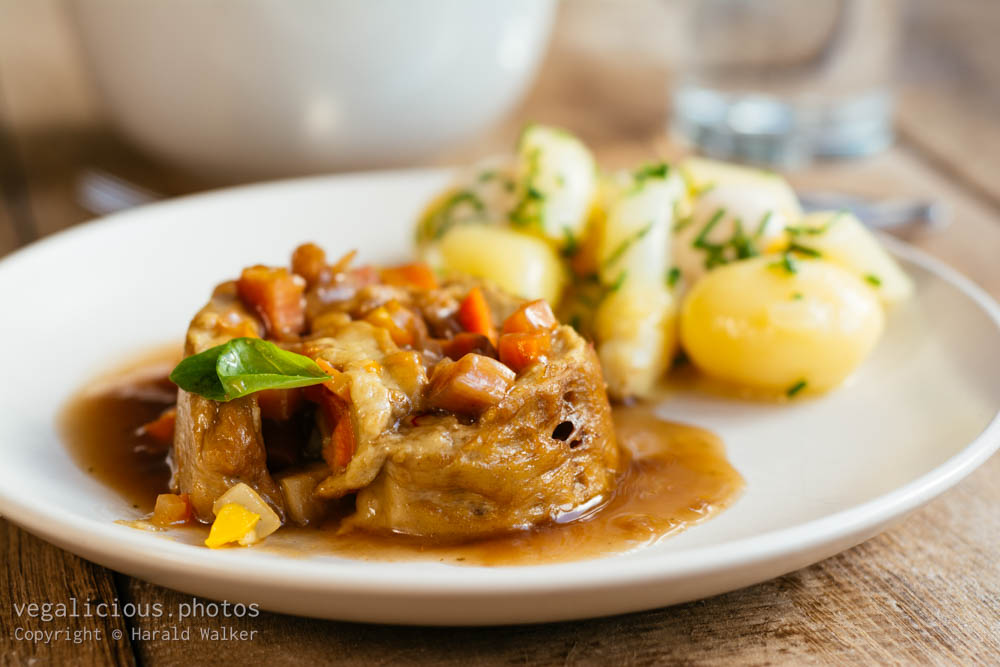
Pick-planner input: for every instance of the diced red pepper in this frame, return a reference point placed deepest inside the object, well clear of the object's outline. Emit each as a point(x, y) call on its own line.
point(277, 296)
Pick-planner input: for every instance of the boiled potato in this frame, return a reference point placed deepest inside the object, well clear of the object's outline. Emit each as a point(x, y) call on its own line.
point(703, 175)
point(842, 239)
point(555, 181)
point(731, 221)
point(634, 326)
point(482, 193)
point(521, 264)
point(636, 330)
point(634, 234)
point(757, 324)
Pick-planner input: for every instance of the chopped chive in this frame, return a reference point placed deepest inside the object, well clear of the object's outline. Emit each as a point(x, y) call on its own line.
point(787, 262)
point(762, 225)
point(804, 250)
point(659, 170)
point(624, 245)
point(619, 281)
point(700, 240)
point(572, 245)
point(874, 280)
point(796, 388)
point(683, 223)
point(797, 296)
point(673, 276)
point(487, 175)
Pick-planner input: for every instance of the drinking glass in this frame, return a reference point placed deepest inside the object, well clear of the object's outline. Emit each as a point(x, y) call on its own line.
point(781, 82)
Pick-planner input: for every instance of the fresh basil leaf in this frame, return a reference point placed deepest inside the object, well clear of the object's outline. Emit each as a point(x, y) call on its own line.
point(248, 365)
point(196, 374)
point(244, 366)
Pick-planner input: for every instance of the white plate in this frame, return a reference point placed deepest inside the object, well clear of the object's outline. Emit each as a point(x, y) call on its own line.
point(822, 475)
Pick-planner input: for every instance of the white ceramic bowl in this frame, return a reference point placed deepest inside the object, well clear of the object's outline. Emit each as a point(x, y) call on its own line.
point(262, 88)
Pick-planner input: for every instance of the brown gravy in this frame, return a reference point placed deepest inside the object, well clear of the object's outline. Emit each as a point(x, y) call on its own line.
point(676, 476)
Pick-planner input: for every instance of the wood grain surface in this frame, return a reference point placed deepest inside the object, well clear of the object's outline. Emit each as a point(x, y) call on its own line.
point(925, 592)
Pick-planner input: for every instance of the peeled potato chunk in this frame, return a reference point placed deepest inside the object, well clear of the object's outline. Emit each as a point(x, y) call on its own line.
point(523, 265)
point(844, 240)
point(758, 324)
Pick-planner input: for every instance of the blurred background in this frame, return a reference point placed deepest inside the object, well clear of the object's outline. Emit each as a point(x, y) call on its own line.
point(105, 103)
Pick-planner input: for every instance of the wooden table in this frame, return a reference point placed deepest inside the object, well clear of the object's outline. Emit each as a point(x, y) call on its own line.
point(926, 591)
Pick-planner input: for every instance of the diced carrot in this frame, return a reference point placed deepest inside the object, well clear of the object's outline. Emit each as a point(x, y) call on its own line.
point(474, 314)
point(463, 343)
point(279, 404)
point(171, 510)
point(532, 316)
point(417, 274)
point(309, 261)
point(339, 447)
point(277, 296)
point(161, 429)
point(470, 385)
point(521, 350)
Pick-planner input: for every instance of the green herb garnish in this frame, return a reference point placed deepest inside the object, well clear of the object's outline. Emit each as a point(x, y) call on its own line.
point(673, 276)
point(787, 262)
point(797, 296)
point(803, 250)
point(617, 253)
point(619, 281)
point(796, 388)
point(487, 175)
point(873, 279)
point(815, 231)
point(656, 170)
point(244, 366)
point(762, 225)
point(572, 244)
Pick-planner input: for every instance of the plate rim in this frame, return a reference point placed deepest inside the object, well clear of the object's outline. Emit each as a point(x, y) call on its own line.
point(105, 542)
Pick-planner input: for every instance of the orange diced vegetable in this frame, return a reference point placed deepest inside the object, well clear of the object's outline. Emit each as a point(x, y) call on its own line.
point(474, 314)
point(309, 261)
point(407, 369)
point(465, 342)
point(470, 385)
point(277, 296)
point(236, 325)
point(417, 274)
point(336, 384)
point(532, 316)
point(339, 447)
point(279, 404)
point(520, 350)
point(161, 429)
point(404, 326)
point(171, 509)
